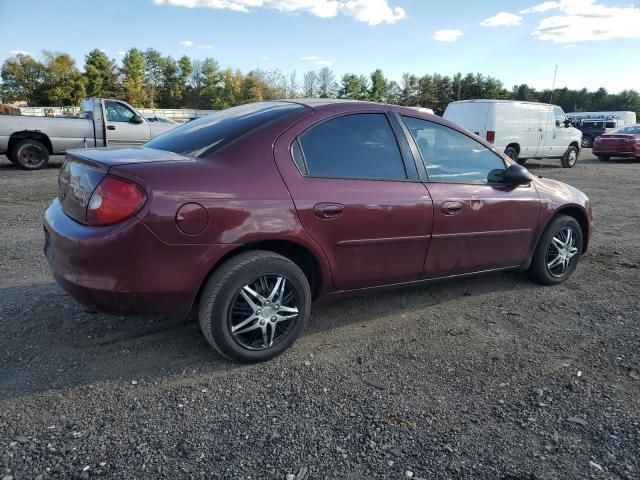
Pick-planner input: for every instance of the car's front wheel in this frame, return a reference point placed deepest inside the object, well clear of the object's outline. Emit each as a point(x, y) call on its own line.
point(558, 252)
point(255, 306)
point(570, 158)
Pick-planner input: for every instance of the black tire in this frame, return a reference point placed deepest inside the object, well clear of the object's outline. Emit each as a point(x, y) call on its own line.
point(30, 154)
point(539, 270)
point(512, 153)
point(603, 158)
point(570, 157)
point(224, 289)
point(587, 141)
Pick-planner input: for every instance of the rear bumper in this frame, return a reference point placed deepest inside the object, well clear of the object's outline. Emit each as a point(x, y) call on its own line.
point(124, 268)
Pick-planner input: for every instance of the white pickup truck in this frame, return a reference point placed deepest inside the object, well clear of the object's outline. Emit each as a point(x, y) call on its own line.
point(28, 141)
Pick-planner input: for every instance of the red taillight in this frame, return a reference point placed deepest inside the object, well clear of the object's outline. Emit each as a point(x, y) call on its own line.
point(114, 200)
point(491, 136)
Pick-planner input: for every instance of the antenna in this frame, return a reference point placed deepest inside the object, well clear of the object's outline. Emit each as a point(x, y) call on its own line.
point(546, 125)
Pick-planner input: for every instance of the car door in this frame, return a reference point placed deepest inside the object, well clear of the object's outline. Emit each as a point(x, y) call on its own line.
point(477, 226)
point(562, 135)
point(121, 127)
point(357, 194)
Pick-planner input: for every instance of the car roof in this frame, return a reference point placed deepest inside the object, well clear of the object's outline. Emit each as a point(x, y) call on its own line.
point(344, 105)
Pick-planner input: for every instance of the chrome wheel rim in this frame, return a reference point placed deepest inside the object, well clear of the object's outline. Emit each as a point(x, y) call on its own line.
point(586, 142)
point(263, 312)
point(560, 252)
point(573, 157)
point(31, 155)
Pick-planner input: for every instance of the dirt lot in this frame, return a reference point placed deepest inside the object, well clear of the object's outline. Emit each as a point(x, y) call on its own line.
point(492, 377)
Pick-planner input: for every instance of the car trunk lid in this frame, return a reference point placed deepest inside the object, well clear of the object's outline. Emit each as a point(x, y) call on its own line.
point(84, 169)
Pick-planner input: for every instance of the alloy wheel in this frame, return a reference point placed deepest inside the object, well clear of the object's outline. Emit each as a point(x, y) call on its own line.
point(263, 312)
point(573, 157)
point(561, 251)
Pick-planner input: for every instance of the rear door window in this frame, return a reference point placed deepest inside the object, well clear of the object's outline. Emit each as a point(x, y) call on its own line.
point(358, 146)
point(450, 156)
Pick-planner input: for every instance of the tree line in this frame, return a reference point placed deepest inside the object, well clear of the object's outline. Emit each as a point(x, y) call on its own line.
point(149, 79)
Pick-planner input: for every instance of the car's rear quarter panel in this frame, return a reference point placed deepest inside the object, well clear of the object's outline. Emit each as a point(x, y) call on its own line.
point(241, 189)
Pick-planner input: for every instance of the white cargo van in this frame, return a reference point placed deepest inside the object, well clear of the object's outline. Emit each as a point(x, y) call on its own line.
point(521, 130)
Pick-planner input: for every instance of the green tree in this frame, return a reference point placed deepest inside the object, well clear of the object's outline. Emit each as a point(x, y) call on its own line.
point(23, 79)
point(154, 74)
point(379, 87)
point(63, 82)
point(211, 83)
point(232, 90)
point(354, 87)
point(133, 71)
point(185, 69)
point(169, 92)
point(409, 90)
point(101, 74)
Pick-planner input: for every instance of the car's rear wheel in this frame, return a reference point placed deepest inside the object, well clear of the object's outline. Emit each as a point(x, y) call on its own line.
point(255, 306)
point(30, 154)
point(558, 252)
point(570, 158)
point(587, 142)
point(603, 158)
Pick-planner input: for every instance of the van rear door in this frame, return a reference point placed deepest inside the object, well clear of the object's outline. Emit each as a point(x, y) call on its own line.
point(471, 115)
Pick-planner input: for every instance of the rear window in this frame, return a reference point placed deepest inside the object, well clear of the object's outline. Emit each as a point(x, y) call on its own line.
point(202, 137)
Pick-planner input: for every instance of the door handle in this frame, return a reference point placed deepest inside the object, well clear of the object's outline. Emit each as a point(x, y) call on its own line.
point(451, 208)
point(111, 127)
point(328, 210)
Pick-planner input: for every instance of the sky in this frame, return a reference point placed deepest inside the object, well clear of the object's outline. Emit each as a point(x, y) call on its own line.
point(595, 43)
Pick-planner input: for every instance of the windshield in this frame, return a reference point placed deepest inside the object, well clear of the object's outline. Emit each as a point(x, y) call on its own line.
point(203, 136)
point(630, 129)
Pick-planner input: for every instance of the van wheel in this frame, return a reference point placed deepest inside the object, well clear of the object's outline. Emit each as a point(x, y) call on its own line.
point(255, 306)
point(558, 251)
point(30, 154)
point(603, 158)
point(570, 158)
point(512, 153)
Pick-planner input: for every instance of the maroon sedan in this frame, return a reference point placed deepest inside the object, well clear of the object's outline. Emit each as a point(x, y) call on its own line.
point(624, 142)
point(251, 213)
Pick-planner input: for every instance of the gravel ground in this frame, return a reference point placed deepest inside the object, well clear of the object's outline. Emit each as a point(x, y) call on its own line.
point(492, 377)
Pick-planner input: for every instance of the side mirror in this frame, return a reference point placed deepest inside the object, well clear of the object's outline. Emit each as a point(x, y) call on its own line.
point(136, 119)
point(514, 175)
point(567, 123)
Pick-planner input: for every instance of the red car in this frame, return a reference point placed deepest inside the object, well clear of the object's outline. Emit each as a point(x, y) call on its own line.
point(251, 213)
point(624, 142)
